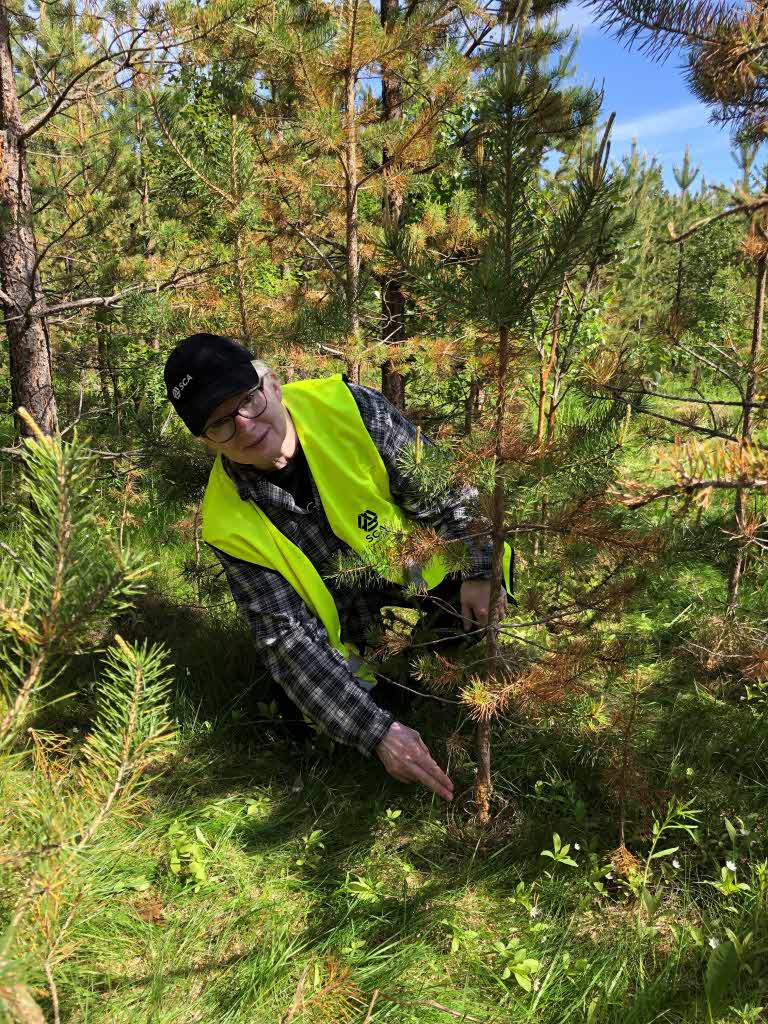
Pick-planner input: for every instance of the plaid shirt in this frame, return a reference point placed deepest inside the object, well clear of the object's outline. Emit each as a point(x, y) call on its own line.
point(291, 642)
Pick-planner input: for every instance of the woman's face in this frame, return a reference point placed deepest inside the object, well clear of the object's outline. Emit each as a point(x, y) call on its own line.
point(256, 442)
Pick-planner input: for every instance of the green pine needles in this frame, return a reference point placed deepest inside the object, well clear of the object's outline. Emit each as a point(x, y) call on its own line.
point(60, 586)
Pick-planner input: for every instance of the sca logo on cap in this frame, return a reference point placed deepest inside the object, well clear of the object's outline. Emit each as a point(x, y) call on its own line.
point(180, 387)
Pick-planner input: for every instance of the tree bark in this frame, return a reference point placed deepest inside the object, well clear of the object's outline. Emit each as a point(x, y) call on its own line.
point(483, 785)
point(29, 346)
point(102, 341)
point(350, 195)
point(472, 403)
point(109, 376)
point(740, 506)
point(393, 324)
point(144, 225)
point(240, 268)
point(546, 363)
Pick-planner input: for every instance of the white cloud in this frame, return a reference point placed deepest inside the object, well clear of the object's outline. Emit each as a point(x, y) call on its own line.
point(663, 122)
point(577, 17)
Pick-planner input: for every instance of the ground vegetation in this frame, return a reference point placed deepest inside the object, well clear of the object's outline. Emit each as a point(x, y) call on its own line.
point(415, 194)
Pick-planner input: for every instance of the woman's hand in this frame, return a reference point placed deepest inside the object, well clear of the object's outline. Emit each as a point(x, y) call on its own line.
point(476, 600)
point(406, 757)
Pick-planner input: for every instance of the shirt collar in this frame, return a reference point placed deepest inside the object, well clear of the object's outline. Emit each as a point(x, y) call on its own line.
point(252, 485)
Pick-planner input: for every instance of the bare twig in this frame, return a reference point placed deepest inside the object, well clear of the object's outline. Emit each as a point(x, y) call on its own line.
point(456, 1014)
point(288, 1017)
point(328, 351)
point(370, 1008)
point(671, 419)
point(418, 693)
point(697, 400)
point(688, 488)
point(9, 549)
point(54, 993)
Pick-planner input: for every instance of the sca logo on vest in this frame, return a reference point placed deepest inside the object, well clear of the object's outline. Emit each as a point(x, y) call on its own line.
point(368, 521)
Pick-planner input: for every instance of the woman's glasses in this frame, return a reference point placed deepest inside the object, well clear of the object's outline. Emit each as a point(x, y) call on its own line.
point(251, 407)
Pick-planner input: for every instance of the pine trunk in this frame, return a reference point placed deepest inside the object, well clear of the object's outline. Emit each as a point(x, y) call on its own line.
point(483, 786)
point(472, 403)
point(28, 341)
point(546, 363)
point(234, 188)
point(102, 341)
point(393, 329)
point(740, 558)
point(350, 189)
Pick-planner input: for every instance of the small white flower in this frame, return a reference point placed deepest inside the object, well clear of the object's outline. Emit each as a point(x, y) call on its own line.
point(730, 865)
point(743, 832)
point(675, 863)
point(576, 846)
point(536, 985)
point(74, 730)
point(713, 942)
point(535, 911)
point(609, 875)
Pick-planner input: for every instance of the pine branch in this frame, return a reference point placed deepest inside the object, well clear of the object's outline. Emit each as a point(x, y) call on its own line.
point(671, 419)
point(66, 580)
point(176, 280)
point(746, 209)
point(690, 487)
point(663, 25)
point(130, 730)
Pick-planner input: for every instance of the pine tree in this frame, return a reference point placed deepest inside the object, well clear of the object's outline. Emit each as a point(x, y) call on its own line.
point(512, 264)
point(70, 128)
point(341, 157)
point(725, 46)
point(685, 176)
point(59, 587)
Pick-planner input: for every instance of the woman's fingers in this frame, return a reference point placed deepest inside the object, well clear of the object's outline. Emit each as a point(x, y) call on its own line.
point(406, 757)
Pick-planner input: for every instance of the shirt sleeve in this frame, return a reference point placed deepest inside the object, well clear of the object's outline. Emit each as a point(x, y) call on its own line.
point(452, 514)
point(294, 649)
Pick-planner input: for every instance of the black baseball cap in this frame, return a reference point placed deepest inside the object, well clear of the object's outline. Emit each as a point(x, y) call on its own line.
point(203, 371)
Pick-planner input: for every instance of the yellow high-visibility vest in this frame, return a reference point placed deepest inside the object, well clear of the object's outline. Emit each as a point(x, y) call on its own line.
point(353, 485)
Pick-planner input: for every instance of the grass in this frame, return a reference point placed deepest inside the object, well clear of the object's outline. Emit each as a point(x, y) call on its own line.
point(256, 879)
point(233, 948)
point(299, 879)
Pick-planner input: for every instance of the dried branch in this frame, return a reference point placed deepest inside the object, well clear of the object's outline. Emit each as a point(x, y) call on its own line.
point(671, 419)
point(456, 1014)
point(107, 301)
point(744, 208)
point(288, 1017)
point(638, 501)
point(369, 1014)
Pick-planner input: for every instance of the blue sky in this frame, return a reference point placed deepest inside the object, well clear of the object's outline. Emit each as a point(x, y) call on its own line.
point(652, 102)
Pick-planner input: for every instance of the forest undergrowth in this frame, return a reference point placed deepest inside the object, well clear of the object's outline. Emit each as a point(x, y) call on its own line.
point(256, 879)
point(424, 197)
